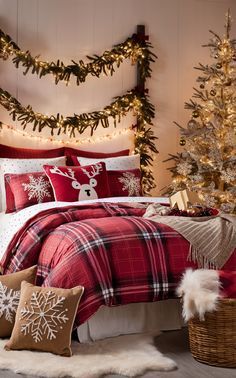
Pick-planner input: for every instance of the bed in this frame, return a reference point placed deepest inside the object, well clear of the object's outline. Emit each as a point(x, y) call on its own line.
point(129, 266)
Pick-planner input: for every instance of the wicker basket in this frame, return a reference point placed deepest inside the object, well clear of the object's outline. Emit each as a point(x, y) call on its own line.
point(213, 341)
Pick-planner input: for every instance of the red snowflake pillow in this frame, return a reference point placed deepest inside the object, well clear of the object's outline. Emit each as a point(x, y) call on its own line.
point(28, 189)
point(126, 183)
point(78, 183)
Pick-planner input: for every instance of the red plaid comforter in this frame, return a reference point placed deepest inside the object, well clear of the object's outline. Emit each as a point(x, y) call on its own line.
point(118, 256)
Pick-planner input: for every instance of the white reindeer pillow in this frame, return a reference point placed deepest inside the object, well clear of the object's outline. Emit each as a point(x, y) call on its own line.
point(78, 183)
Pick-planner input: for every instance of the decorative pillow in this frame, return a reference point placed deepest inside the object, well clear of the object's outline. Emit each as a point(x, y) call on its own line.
point(115, 163)
point(78, 183)
point(10, 285)
point(95, 155)
point(125, 183)
point(29, 189)
point(21, 166)
point(45, 318)
point(26, 153)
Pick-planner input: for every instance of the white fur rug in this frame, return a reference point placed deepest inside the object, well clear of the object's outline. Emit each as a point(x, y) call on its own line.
point(126, 355)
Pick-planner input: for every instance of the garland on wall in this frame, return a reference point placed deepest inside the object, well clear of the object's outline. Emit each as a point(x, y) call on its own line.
point(135, 48)
point(138, 50)
point(132, 100)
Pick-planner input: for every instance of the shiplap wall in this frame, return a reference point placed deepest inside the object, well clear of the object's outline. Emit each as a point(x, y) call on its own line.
point(72, 29)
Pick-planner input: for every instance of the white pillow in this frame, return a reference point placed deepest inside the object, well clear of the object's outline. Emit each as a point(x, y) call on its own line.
point(23, 166)
point(115, 163)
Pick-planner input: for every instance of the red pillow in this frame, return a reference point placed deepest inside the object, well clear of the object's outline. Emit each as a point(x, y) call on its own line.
point(125, 183)
point(78, 183)
point(28, 189)
point(95, 155)
point(25, 153)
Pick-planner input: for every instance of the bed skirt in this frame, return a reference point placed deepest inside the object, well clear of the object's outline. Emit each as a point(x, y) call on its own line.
point(132, 318)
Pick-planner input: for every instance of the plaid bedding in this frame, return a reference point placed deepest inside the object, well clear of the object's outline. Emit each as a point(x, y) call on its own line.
point(118, 256)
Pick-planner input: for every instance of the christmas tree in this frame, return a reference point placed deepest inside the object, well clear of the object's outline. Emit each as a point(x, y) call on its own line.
point(208, 163)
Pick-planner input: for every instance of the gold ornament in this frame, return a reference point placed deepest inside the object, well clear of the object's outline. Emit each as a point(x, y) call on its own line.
point(195, 113)
point(218, 65)
point(182, 142)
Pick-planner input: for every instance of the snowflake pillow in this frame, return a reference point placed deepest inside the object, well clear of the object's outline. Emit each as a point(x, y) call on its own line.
point(28, 189)
point(125, 183)
point(21, 166)
point(44, 319)
point(114, 163)
point(10, 285)
point(78, 183)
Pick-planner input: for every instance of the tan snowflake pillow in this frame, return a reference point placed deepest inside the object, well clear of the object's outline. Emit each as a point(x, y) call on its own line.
point(9, 297)
point(45, 318)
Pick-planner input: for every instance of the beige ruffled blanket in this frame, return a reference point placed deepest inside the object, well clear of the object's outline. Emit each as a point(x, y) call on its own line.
point(212, 239)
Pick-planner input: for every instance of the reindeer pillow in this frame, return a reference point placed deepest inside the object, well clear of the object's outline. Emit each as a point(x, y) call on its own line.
point(78, 183)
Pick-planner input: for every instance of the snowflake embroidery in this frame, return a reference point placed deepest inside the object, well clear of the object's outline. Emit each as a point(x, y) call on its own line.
point(131, 183)
point(9, 300)
point(44, 316)
point(37, 188)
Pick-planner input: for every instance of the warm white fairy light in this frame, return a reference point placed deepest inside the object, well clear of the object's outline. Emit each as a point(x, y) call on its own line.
point(89, 140)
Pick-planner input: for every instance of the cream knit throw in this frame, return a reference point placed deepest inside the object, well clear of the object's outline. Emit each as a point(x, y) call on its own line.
point(212, 239)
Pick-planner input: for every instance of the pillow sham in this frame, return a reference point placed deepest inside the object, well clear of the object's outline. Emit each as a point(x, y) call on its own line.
point(115, 163)
point(44, 319)
point(20, 166)
point(78, 183)
point(95, 155)
point(26, 153)
point(126, 183)
point(10, 285)
point(28, 189)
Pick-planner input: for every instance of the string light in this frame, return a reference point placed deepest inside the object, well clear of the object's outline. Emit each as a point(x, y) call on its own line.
point(75, 142)
point(135, 48)
point(208, 164)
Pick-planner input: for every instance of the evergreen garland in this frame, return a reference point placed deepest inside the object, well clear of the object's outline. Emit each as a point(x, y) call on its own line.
point(135, 48)
point(133, 100)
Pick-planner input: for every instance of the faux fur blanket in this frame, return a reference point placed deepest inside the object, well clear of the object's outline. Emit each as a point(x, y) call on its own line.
point(212, 239)
point(200, 291)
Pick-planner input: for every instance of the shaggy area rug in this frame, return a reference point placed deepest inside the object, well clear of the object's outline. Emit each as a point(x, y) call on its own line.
point(126, 355)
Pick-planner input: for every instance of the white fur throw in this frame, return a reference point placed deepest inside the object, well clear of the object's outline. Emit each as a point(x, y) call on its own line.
point(200, 290)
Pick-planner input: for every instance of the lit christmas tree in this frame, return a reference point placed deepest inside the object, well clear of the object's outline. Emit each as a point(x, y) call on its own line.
point(208, 164)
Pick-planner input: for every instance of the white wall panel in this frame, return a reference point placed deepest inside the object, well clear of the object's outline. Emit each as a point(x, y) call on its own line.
point(72, 29)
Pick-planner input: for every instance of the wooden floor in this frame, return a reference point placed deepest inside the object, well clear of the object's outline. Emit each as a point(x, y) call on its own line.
point(173, 344)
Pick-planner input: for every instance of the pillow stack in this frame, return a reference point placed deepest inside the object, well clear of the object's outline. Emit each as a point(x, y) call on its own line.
point(29, 177)
point(124, 176)
point(37, 318)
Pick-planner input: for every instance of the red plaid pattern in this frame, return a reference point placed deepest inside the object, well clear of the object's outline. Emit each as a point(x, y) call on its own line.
point(118, 256)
